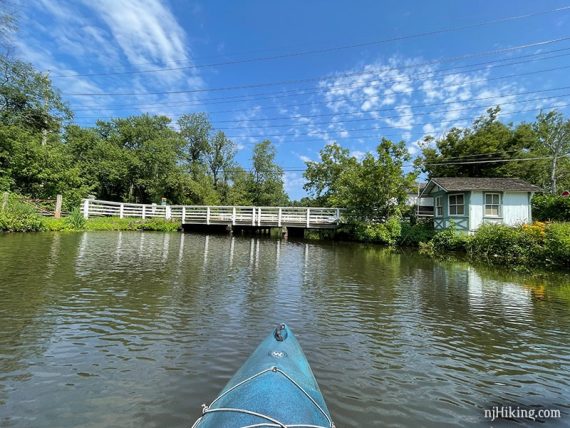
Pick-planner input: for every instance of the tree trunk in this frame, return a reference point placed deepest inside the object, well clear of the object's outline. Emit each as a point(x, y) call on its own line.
point(553, 175)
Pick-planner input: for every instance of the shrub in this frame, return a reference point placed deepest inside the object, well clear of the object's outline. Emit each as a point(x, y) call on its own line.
point(557, 244)
point(19, 216)
point(75, 220)
point(449, 240)
point(382, 233)
point(551, 208)
point(415, 234)
point(499, 244)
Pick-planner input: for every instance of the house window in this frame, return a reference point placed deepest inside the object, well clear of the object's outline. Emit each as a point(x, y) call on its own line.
point(492, 204)
point(438, 207)
point(456, 205)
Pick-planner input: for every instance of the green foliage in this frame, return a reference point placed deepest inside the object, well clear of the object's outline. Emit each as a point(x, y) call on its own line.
point(505, 245)
point(543, 145)
point(266, 187)
point(414, 234)
point(553, 138)
point(449, 240)
point(557, 245)
point(386, 233)
point(19, 216)
point(551, 208)
point(75, 220)
point(373, 189)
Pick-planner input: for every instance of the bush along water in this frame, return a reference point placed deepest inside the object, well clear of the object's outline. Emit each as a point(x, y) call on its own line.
point(16, 215)
point(537, 245)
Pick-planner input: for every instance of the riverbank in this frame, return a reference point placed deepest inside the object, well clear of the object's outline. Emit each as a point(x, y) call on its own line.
point(523, 248)
point(19, 216)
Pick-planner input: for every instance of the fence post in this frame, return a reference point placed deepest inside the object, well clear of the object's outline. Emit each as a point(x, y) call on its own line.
point(86, 208)
point(207, 215)
point(233, 216)
point(4, 200)
point(183, 214)
point(279, 217)
point(121, 210)
point(253, 217)
point(167, 213)
point(337, 215)
point(308, 217)
point(58, 202)
point(144, 212)
point(259, 216)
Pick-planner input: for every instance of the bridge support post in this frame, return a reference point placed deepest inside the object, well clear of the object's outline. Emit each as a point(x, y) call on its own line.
point(121, 210)
point(183, 214)
point(259, 216)
point(253, 217)
point(86, 208)
point(233, 217)
point(207, 215)
point(308, 217)
point(279, 217)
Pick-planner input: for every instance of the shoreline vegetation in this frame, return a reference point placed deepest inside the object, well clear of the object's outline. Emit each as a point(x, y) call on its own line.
point(540, 245)
point(188, 160)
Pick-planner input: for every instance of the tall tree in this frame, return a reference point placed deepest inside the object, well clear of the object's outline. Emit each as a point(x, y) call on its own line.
point(377, 187)
point(220, 158)
point(27, 98)
point(267, 187)
point(471, 152)
point(195, 130)
point(323, 176)
point(553, 133)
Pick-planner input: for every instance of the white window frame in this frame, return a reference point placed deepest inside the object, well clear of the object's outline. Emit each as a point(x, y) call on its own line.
point(499, 205)
point(438, 213)
point(455, 205)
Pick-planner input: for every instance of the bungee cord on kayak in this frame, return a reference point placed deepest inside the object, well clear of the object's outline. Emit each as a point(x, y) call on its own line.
point(277, 395)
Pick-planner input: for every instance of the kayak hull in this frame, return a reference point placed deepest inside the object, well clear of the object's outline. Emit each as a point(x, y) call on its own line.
point(274, 386)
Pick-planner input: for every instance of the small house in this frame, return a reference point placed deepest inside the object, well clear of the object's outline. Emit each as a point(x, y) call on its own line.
point(469, 202)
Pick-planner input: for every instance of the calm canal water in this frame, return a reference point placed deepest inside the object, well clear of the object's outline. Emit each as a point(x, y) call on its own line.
point(139, 329)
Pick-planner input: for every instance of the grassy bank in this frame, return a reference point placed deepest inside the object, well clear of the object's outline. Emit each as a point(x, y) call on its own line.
point(16, 215)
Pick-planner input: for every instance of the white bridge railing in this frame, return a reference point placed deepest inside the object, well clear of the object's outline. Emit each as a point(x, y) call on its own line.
point(220, 215)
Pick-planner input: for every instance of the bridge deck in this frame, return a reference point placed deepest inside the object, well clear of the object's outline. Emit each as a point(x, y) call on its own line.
point(309, 218)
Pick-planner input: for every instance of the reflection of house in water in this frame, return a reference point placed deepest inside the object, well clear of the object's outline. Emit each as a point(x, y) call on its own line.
point(513, 300)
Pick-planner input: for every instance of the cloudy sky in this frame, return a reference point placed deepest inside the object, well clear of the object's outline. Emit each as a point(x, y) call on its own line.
point(304, 74)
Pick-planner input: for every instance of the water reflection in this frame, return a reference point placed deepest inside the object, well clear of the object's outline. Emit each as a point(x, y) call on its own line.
point(141, 328)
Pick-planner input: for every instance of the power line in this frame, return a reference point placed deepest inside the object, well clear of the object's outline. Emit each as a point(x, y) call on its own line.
point(294, 81)
point(386, 127)
point(242, 98)
point(375, 136)
point(331, 49)
point(376, 110)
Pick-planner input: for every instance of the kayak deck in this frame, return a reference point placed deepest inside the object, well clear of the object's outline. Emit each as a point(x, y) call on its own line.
point(274, 388)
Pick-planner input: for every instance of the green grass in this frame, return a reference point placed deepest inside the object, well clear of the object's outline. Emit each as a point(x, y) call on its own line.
point(112, 223)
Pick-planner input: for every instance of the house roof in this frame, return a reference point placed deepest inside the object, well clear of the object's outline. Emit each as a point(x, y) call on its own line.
point(457, 184)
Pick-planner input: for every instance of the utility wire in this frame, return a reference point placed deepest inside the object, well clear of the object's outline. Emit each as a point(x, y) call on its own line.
point(331, 49)
point(385, 109)
point(242, 98)
point(295, 81)
point(295, 134)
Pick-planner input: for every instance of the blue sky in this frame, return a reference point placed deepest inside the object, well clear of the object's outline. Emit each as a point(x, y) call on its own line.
point(303, 73)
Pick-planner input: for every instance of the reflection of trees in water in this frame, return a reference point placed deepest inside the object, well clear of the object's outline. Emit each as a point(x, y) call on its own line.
point(35, 269)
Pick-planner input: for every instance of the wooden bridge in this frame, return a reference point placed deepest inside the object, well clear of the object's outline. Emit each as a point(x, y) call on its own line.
point(238, 216)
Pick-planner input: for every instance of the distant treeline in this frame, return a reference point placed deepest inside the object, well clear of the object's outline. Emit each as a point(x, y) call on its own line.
point(146, 157)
